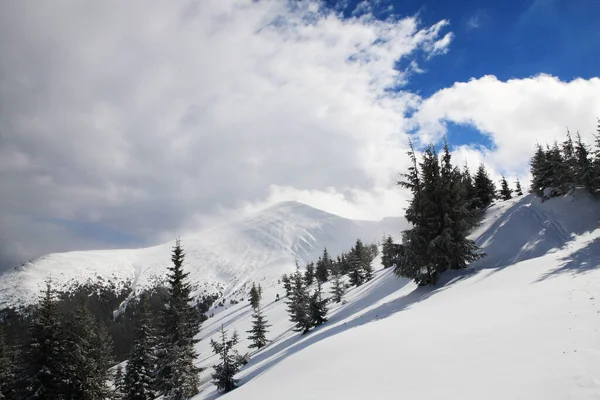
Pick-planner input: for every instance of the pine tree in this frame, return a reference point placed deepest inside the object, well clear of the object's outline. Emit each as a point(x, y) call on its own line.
point(570, 161)
point(559, 177)
point(361, 269)
point(540, 171)
point(6, 369)
point(309, 274)
point(518, 191)
point(505, 191)
point(138, 383)
point(485, 190)
point(229, 365)
point(43, 370)
point(255, 296)
point(88, 356)
point(259, 330)
point(338, 288)
point(468, 188)
point(177, 375)
point(323, 267)
point(318, 308)
point(298, 303)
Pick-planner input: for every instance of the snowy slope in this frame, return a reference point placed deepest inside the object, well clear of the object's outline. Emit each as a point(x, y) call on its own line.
point(523, 323)
point(259, 248)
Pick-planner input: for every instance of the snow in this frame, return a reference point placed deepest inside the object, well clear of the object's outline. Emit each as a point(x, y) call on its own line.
point(522, 323)
point(224, 259)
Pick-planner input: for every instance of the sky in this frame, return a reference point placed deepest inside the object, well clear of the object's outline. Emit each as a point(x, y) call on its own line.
point(125, 124)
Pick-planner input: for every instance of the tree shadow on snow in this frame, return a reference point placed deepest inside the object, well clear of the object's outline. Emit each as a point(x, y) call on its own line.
point(582, 261)
point(378, 290)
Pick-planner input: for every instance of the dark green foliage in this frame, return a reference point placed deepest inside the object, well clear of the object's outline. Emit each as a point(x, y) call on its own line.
point(230, 361)
point(505, 191)
point(388, 256)
point(138, 383)
point(309, 274)
point(360, 258)
point(324, 265)
point(317, 308)
point(584, 169)
point(87, 357)
point(338, 288)
point(440, 217)
point(43, 363)
point(485, 190)
point(287, 284)
point(118, 383)
point(298, 303)
point(255, 295)
point(177, 375)
point(518, 191)
point(259, 329)
point(6, 369)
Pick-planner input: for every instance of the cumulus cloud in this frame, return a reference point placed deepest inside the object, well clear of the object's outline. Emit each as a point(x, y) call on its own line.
point(514, 114)
point(149, 117)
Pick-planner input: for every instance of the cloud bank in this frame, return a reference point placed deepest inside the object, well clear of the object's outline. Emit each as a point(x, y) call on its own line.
point(147, 119)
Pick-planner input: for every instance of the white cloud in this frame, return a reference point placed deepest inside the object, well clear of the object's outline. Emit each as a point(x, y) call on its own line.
point(514, 114)
point(142, 115)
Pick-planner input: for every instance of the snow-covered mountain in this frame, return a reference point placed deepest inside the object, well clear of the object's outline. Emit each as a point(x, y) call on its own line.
point(522, 323)
point(259, 248)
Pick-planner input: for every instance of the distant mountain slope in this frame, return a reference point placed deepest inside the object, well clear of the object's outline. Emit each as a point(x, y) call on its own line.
point(259, 248)
point(523, 323)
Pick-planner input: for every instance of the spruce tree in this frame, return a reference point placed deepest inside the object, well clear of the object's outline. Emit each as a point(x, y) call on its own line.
point(584, 170)
point(88, 356)
point(118, 384)
point(259, 330)
point(298, 303)
point(338, 288)
point(518, 191)
point(361, 269)
point(387, 257)
point(323, 267)
point(6, 369)
point(505, 191)
point(317, 308)
point(309, 274)
point(485, 190)
point(43, 372)
point(440, 217)
point(559, 176)
point(287, 284)
point(540, 171)
point(570, 161)
point(468, 188)
point(254, 296)
point(177, 376)
point(229, 365)
point(138, 383)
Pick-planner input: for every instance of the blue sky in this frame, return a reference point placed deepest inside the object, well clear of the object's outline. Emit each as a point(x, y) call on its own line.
point(506, 38)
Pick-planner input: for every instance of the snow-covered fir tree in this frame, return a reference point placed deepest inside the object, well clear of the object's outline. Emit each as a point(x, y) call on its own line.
point(6, 369)
point(309, 274)
point(177, 376)
point(318, 307)
point(138, 383)
point(361, 269)
point(518, 190)
point(255, 295)
point(338, 288)
point(437, 241)
point(298, 303)
point(258, 333)
point(118, 383)
point(323, 267)
point(388, 250)
point(42, 374)
point(229, 361)
point(287, 284)
point(485, 190)
point(505, 190)
point(88, 357)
